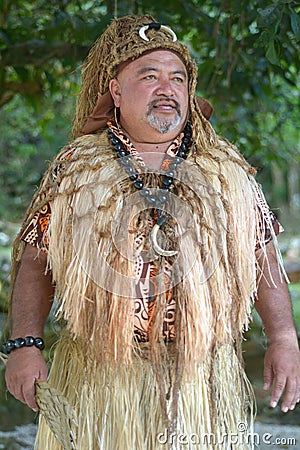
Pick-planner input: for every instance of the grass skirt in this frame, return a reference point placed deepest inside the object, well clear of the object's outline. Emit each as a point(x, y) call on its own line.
point(119, 408)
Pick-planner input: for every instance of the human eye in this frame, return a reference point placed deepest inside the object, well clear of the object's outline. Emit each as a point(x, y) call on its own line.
point(149, 76)
point(178, 79)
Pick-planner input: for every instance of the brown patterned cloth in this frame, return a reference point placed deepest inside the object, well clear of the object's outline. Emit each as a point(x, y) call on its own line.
point(36, 232)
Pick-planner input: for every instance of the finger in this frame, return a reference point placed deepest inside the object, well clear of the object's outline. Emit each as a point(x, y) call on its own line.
point(296, 396)
point(278, 388)
point(29, 395)
point(15, 389)
point(28, 392)
point(43, 374)
point(289, 396)
point(268, 376)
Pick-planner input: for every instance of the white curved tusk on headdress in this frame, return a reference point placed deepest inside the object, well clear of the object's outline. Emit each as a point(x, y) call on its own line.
point(142, 31)
point(156, 247)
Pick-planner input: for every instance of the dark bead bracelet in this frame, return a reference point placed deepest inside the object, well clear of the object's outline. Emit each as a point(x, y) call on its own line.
point(28, 341)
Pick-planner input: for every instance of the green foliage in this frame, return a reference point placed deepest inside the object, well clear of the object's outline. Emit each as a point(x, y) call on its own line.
point(295, 296)
point(27, 141)
point(247, 53)
point(42, 41)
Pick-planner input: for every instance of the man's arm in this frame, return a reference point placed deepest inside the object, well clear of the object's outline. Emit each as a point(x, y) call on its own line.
point(282, 361)
point(31, 304)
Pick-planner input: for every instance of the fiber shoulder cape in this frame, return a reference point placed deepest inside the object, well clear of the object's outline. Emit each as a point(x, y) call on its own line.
point(196, 383)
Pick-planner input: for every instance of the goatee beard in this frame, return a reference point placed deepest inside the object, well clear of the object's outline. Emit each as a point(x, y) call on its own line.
point(163, 125)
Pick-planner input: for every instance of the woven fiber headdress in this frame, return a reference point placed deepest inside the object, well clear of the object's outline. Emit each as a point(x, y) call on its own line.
point(126, 39)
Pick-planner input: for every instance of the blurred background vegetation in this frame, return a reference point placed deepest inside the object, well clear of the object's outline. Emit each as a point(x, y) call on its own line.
point(248, 58)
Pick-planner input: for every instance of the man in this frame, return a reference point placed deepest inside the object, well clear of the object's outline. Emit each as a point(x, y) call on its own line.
point(154, 237)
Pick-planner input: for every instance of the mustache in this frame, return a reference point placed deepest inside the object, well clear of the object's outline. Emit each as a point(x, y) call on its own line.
point(169, 100)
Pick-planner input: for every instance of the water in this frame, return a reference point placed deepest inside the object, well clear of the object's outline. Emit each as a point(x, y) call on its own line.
point(21, 438)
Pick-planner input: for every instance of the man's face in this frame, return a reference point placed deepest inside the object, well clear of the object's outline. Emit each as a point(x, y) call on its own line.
point(152, 94)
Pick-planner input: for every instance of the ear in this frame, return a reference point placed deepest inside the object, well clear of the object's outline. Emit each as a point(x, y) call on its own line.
point(115, 91)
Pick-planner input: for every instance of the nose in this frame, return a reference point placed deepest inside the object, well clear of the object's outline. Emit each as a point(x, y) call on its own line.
point(164, 87)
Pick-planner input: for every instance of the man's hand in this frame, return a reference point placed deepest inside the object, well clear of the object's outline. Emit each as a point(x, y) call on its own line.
point(31, 303)
point(282, 371)
point(24, 367)
point(282, 360)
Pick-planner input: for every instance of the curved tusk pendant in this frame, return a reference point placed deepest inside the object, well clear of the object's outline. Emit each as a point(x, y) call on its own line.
point(156, 26)
point(142, 33)
point(156, 247)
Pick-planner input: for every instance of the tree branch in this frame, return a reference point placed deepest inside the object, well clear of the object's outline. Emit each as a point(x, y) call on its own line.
point(37, 52)
point(10, 89)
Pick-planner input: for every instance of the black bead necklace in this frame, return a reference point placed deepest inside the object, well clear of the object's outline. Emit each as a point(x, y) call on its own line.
point(158, 199)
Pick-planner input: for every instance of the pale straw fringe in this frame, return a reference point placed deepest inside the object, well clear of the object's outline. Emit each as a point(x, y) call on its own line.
point(119, 408)
point(264, 262)
point(224, 301)
point(214, 312)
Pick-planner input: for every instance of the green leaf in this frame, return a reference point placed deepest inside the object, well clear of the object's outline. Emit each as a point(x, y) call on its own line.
point(264, 39)
point(49, 77)
point(23, 73)
point(295, 23)
point(271, 53)
point(266, 16)
point(271, 17)
point(5, 38)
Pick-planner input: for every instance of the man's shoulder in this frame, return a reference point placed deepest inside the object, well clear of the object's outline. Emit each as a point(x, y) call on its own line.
point(83, 146)
point(225, 146)
point(229, 153)
point(224, 157)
